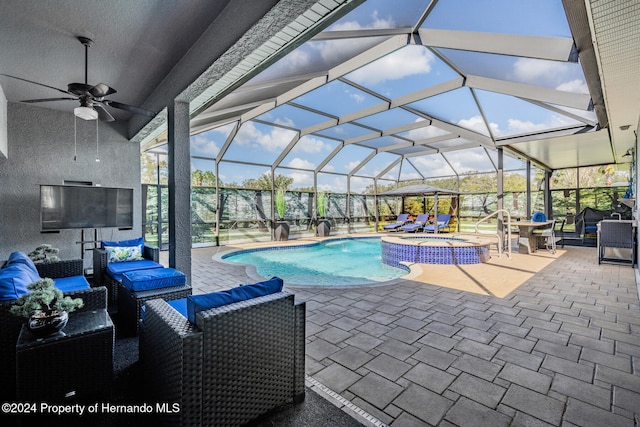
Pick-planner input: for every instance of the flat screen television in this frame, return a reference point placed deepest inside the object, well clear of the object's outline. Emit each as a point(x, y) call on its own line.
point(70, 206)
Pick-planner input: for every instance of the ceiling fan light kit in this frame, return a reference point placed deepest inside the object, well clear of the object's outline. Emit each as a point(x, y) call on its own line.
point(85, 113)
point(93, 104)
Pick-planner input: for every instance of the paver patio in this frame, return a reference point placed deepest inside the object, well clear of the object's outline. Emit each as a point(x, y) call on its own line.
point(561, 346)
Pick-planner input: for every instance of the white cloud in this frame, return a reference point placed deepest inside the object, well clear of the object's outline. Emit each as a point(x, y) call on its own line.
point(352, 165)
point(299, 163)
point(425, 132)
point(559, 75)
point(575, 86)
point(409, 61)
point(376, 22)
point(432, 166)
point(358, 98)
point(203, 146)
point(328, 168)
point(277, 139)
point(309, 144)
point(475, 123)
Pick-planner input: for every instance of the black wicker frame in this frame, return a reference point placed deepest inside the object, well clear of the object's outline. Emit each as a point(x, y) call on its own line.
point(238, 362)
point(94, 299)
point(101, 261)
point(616, 234)
point(130, 303)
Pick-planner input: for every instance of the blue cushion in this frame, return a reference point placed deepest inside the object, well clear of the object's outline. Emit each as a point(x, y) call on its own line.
point(154, 278)
point(72, 283)
point(180, 305)
point(197, 303)
point(130, 242)
point(116, 269)
point(538, 217)
point(14, 279)
point(22, 258)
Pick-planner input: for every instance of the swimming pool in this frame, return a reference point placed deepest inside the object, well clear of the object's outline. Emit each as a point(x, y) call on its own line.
point(335, 262)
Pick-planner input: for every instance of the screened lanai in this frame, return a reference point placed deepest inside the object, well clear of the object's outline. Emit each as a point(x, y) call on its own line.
point(478, 97)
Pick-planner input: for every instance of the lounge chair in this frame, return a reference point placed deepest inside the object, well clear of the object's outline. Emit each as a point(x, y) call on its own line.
point(417, 225)
point(443, 222)
point(400, 221)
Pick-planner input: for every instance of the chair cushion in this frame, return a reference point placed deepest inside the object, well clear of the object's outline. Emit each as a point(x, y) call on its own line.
point(154, 278)
point(71, 283)
point(14, 279)
point(197, 303)
point(116, 269)
point(180, 305)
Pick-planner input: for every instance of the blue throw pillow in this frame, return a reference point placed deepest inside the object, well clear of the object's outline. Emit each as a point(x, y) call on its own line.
point(132, 242)
point(538, 217)
point(197, 303)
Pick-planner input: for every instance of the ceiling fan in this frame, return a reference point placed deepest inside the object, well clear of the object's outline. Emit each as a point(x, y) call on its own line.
point(92, 98)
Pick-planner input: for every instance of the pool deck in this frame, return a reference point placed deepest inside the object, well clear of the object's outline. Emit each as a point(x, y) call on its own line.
point(535, 339)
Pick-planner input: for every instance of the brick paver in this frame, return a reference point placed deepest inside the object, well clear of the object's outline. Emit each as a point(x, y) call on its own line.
point(561, 349)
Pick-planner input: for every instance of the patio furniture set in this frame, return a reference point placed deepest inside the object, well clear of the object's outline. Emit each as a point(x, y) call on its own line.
point(225, 357)
point(421, 223)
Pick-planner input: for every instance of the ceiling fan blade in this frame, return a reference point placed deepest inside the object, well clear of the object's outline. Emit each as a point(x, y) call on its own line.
point(36, 83)
point(101, 90)
point(29, 101)
point(130, 108)
point(103, 114)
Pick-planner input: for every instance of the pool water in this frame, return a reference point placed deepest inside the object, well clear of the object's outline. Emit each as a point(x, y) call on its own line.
point(342, 262)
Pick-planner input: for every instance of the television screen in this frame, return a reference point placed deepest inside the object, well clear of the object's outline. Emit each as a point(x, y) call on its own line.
point(65, 206)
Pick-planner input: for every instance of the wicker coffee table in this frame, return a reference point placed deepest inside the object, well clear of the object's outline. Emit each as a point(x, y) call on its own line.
point(76, 364)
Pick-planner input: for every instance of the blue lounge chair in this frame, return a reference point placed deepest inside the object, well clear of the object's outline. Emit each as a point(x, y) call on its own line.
point(417, 225)
point(400, 221)
point(443, 222)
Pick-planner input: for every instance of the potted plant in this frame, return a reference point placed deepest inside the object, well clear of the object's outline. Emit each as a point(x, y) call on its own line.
point(44, 254)
point(45, 307)
point(323, 226)
point(281, 231)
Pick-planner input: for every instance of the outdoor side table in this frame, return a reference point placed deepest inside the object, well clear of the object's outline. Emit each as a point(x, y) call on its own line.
point(76, 364)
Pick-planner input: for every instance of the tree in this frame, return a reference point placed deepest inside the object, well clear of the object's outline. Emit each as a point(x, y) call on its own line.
point(203, 179)
point(149, 169)
point(281, 182)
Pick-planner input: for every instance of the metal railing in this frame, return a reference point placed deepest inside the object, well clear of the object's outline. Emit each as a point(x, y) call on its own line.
point(499, 233)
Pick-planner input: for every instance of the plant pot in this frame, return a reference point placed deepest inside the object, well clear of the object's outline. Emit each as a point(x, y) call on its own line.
point(323, 227)
point(42, 325)
point(281, 232)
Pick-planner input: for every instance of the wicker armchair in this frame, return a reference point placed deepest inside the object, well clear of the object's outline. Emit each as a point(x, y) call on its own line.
point(101, 261)
point(94, 299)
point(616, 234)
point(237, 362)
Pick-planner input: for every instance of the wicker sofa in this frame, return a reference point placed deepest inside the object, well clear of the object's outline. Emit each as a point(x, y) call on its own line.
point(235, 363)
point(94, 299)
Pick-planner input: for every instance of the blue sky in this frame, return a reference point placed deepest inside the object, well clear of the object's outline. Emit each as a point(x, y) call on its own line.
point(399, 73)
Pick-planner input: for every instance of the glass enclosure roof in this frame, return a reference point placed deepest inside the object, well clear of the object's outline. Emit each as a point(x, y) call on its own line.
point(404, 89)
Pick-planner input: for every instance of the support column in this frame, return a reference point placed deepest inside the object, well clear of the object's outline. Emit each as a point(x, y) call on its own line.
point(500, 192)
point(547, 195)
point(179, 188)
point(528, 211)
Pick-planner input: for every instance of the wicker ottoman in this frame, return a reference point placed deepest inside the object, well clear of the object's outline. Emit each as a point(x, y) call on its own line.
point(140, 286)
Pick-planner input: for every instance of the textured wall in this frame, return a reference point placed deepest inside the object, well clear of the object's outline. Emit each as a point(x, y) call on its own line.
point(41, 151)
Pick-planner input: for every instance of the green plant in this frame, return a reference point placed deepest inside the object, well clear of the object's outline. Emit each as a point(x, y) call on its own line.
point(44, 253)
point(44, 298)
point(280, 203)
point(323, 200)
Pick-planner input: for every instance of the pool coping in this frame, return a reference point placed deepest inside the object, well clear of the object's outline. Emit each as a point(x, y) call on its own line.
point(414, 270)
